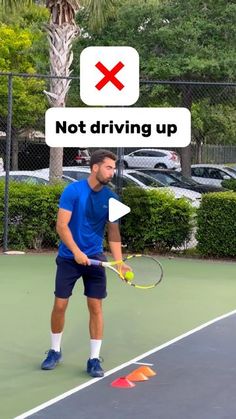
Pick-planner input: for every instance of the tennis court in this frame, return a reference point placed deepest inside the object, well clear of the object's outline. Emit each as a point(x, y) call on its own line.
point(137, 323)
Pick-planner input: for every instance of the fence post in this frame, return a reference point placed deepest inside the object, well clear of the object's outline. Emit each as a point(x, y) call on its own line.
point(119, 171)
point(7, 166)
point(186, 151)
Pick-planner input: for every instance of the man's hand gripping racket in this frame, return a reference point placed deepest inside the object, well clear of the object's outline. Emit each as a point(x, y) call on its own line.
point(140, 271)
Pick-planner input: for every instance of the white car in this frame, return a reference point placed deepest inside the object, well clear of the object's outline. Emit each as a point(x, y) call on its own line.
point(133, 178)
point(212, 174)
point(152, 158)
point(1, 165)
point(76, 172)
point(148, 182)
point(33, 177)
point(70, 172)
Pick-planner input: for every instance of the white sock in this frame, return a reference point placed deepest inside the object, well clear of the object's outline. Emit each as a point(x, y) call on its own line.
point(56, 341)
point(95, 346)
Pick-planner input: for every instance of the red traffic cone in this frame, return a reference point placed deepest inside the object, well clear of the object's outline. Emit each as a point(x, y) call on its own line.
point(122, 382)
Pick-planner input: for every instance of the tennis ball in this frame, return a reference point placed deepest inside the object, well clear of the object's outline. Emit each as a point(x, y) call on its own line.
point(129, 276)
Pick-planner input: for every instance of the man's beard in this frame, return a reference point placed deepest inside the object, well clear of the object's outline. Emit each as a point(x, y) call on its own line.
point(102, 181)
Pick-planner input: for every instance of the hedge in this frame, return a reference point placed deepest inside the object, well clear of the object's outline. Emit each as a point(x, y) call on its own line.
point(229, 184)
point(216, 220)
point(32, 215)
point(157, 220)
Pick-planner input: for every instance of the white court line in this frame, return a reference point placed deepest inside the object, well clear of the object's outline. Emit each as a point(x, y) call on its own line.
point(143, 363)
point(126, 364)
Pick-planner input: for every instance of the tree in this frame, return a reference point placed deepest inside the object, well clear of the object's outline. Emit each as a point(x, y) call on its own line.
point(176, 40)
point(61, 32)
point(14, 4)
point(28, 103)
point(31, 18)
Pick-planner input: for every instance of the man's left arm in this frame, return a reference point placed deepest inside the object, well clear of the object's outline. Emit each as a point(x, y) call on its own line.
point(114, 240)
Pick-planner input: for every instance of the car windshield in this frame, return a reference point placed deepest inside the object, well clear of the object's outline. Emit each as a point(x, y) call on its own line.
point(67, 179)
point(162, 177)
point(172, 178)
point(125, 181)
point(76, 174)
point(230, 170)
point(32, 180)
point(146, 180)
point(84, 153)
point(183, 179)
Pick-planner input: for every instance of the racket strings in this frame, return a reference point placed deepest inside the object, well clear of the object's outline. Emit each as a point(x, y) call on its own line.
point(147, 270)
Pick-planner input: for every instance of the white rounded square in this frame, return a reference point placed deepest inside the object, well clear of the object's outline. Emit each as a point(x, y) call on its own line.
point(109, 76)
point(118, 127)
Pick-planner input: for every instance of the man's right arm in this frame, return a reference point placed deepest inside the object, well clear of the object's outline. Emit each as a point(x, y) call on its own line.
point(63, 219)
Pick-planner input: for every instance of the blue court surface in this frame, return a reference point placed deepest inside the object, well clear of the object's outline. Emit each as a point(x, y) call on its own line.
point(196, 378)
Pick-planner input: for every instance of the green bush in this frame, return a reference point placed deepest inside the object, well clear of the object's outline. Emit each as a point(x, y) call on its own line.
point(156, 220)
point(32, 215)
point(216, 220)
point(229, 184)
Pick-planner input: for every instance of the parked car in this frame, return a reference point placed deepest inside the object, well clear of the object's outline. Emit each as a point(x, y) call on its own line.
point(76, 172)
point(146, 181)
point(212, 174)
point(133, 178)
point(82, 157)
point(150, 158)
point(79, 173)
point(33, 156)
point(32, 177)
point(174, 178)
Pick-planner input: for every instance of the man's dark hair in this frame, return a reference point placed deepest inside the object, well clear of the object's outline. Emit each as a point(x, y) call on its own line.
point(99, 156)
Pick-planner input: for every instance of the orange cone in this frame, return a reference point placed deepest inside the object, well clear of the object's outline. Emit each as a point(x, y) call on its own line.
point(136, 376)
point(146, 371)
point(122, 382)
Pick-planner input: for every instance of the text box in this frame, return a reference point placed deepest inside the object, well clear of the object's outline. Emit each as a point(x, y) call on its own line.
point(118, 127)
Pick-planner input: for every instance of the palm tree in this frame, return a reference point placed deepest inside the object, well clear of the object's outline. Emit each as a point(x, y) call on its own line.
point(61, 32)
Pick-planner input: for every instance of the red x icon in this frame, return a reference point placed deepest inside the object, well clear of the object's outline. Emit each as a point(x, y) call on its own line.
point(109, 75)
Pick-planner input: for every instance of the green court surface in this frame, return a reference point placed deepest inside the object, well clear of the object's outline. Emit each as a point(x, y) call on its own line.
point(192, 292)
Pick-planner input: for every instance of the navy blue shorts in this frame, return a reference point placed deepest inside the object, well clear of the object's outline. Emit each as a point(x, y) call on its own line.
point(68, 271)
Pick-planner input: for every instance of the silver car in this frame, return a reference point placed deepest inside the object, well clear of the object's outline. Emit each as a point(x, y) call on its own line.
point(212, 174)
point(32, 177)
point(135, 178)
point(152, 158)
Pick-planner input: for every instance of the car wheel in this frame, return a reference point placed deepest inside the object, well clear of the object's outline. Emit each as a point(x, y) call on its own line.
point(125, 165)
point(160, 166)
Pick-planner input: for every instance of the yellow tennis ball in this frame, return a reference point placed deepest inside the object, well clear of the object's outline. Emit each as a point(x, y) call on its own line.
point(129, 276)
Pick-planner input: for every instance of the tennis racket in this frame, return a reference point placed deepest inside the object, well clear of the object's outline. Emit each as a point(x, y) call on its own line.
point(139, 271)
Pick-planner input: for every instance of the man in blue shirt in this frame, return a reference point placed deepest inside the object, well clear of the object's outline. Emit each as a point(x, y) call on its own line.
point(81, 221)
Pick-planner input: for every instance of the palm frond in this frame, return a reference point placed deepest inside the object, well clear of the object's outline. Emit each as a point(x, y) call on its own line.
point(99, 11)
point(14, 4)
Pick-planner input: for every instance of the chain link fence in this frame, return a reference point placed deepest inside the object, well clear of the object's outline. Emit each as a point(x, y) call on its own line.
point(25, 156)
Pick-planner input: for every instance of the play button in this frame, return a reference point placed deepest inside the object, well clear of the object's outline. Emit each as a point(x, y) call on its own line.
point(117, 210)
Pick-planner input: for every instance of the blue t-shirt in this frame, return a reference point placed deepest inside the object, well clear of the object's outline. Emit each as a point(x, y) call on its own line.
point(89, 216)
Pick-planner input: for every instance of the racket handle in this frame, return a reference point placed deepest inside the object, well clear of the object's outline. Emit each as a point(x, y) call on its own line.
point(95, 262)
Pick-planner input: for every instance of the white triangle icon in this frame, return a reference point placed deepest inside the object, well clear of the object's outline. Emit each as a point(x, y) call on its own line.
point(116, 210)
